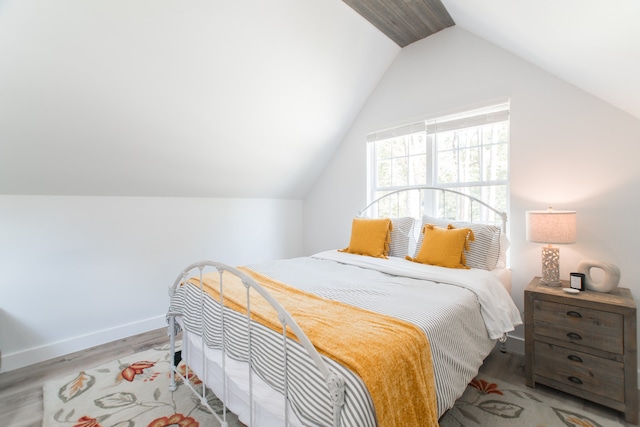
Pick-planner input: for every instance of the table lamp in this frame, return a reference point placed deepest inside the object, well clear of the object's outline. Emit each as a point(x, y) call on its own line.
point(551, 227)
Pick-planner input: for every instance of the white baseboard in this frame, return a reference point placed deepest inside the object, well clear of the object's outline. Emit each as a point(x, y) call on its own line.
point(34, 355)
point(514, 344)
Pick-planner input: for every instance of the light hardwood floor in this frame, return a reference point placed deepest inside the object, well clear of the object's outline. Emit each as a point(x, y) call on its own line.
point(21, 389)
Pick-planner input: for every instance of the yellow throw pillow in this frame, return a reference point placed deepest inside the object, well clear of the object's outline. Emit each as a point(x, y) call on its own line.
point(444, 247)
point(370, 237)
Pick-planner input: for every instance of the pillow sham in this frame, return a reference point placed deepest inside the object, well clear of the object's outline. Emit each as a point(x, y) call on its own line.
point(503, 243)
point(485, 251)
point(444, 247)
point(370, 237)
point(402, 236)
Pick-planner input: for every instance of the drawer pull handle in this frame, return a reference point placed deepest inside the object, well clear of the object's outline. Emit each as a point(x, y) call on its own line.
point(574, 314)
point(574, 336)
point(575, 380)
point(574, 358)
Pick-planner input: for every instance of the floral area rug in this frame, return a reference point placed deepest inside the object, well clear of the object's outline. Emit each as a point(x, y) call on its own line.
point(134, 392)
point(489, 402)
point(129, 392)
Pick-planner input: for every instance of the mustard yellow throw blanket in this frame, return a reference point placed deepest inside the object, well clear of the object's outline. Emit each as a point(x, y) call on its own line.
point(391, 356)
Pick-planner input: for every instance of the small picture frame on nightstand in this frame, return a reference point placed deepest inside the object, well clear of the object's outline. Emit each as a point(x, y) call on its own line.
point(576, 281)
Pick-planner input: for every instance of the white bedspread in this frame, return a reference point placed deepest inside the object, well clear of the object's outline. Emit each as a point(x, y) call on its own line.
point(462, 312)
point(499, 312)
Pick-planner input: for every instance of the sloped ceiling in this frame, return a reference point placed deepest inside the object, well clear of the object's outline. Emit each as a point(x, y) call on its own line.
point(593, 44)
point(171, 98)
point(241, 99)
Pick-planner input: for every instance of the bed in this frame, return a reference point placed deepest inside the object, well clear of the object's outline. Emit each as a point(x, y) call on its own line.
point(360, 336)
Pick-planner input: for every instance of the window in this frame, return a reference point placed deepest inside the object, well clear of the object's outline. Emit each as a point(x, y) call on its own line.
point(467, 152)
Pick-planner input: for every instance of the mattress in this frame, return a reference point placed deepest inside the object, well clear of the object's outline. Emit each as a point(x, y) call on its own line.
point(462, 312)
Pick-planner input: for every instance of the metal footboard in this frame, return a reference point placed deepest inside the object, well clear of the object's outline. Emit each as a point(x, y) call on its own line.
point(334, 381)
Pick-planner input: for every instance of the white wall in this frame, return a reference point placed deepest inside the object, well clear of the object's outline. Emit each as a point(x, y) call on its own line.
point(82, 271)
point(569, 150)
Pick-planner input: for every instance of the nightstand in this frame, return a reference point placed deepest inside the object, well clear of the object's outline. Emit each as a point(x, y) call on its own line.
point(583, 344)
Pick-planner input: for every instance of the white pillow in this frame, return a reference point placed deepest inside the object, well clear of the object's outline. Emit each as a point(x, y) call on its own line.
point(402, 236)
point(504, 243)
point(484, 251)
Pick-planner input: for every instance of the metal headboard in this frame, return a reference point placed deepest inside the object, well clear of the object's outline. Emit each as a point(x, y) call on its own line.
point(451, 204)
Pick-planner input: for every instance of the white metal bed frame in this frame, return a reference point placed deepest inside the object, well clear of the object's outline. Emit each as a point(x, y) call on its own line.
point(430, 206)
point(334, 381)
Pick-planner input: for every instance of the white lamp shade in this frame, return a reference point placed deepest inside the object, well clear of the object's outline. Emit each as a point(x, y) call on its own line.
point(551, 226)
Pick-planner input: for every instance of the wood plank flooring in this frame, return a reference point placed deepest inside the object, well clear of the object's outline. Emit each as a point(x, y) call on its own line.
point(21, 389)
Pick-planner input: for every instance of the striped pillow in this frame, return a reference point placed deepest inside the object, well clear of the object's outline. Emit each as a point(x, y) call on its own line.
point(484, 251)
point(402, 236)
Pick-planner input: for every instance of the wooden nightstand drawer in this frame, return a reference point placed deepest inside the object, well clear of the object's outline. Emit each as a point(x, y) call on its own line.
point(582, 326)
point(580, 370)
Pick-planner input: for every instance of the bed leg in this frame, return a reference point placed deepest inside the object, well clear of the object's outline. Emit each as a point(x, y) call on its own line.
point(177, 358)
point(503, 347)
point(172, 350)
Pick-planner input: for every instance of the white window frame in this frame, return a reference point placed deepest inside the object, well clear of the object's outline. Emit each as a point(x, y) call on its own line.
point(430, 127)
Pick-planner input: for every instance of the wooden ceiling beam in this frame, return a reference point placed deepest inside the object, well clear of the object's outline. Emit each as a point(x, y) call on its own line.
point(404, 21)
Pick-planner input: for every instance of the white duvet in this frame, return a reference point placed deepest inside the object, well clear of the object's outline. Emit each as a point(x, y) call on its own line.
point(499, 312)
point(462, 312)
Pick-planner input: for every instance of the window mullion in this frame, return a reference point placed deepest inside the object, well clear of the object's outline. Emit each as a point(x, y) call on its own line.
point(432, 158)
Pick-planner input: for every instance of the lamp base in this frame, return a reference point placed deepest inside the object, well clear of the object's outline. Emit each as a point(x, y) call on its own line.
point(550, 266)
point(553, 284)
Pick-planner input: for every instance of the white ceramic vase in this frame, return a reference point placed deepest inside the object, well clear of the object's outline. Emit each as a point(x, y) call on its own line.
point(611, 275)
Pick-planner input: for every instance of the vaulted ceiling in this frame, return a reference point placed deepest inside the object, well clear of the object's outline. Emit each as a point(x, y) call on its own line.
point(591, 44)
point(244, 99)
point(168, 98)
